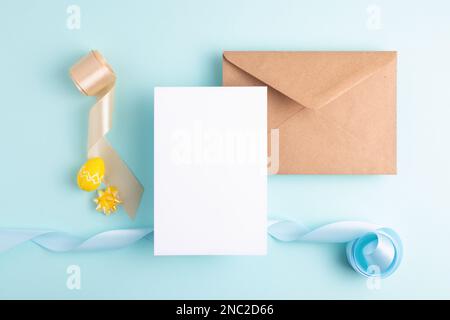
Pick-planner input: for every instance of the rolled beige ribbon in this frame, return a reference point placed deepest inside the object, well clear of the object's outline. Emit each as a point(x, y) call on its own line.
point(93, 76)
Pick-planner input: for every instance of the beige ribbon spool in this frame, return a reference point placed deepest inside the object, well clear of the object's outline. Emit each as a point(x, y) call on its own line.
point(93, 76)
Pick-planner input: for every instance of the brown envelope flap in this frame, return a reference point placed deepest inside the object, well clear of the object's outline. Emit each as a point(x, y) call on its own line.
point(314, 78)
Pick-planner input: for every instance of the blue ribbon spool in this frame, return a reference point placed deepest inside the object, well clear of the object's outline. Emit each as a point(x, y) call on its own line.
point(376, 254)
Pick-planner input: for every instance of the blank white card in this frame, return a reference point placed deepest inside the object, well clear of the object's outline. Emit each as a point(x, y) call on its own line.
point(210, 171)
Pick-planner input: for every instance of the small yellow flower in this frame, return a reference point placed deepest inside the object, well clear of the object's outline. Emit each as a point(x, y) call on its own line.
point(107, 200)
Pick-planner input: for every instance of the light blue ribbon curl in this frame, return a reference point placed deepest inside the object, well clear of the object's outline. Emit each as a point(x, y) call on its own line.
point(372, 251)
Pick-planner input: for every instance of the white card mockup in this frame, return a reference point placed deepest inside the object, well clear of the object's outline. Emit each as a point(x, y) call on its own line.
point(210, 171)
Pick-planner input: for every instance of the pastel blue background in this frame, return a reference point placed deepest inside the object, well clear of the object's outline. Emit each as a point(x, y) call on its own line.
point(179, 43)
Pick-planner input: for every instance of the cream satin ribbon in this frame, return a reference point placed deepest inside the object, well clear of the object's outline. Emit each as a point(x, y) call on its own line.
point(93, 76)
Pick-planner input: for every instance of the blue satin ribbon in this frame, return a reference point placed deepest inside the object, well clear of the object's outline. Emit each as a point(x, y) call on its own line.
point(372, 251)
point(57, 241)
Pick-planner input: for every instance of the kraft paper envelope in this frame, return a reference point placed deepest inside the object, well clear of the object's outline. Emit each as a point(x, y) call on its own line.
point(335, 111)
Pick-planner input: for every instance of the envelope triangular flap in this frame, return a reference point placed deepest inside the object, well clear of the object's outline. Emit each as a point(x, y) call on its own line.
point(311, 78)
